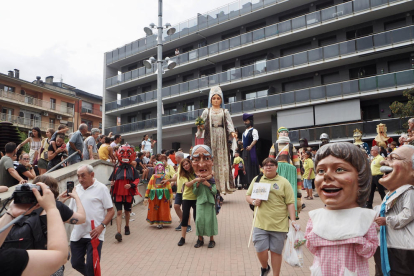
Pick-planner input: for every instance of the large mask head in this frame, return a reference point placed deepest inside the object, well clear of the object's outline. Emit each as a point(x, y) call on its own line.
point(303, 142)
point(202, 160)
point(357, 135)
point(126, 154)
point(324, 138)
point(382, 129)
point(215, 98)
point(282, 131)
point(159, 168)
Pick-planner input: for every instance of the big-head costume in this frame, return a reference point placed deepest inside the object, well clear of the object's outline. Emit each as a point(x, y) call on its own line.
point(358, 141)
point(251, 162)
point(382, 140)
point(124, 173)
point(217, 132)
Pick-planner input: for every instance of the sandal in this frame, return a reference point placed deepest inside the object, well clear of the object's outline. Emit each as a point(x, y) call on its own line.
point(199, 243)
point(211, 244)
point(306, 197)
point(311, 198)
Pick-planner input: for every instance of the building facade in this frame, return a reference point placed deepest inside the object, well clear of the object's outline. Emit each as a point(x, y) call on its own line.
point(326, 66)
point(35, 104)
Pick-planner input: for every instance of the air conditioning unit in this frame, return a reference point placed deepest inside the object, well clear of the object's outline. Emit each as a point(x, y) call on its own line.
point(45, 113)
point(59, 117)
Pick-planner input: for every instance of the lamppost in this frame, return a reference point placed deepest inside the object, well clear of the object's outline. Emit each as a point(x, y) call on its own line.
point(160, 70)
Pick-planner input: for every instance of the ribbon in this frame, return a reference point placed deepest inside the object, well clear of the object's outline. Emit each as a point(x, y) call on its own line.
point(385, 262)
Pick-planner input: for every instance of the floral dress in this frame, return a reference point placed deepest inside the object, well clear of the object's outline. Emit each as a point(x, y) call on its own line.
point(216, 135)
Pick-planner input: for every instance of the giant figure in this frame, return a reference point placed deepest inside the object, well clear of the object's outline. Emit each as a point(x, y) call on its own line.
point(250, 138)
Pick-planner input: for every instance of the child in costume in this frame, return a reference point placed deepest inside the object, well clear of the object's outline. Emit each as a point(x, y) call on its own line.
point(124, 182)
point(342, 236)
point(158, 196)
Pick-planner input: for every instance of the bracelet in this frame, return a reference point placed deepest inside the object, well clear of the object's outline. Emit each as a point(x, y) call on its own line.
point(10, 215)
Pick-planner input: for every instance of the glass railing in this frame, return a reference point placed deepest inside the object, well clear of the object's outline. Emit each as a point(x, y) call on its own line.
point(35, 102)
point(305, 96)
point(91, 111)
point(191, 26)
point(346, 131)
point(326, 53)
point(229, 12)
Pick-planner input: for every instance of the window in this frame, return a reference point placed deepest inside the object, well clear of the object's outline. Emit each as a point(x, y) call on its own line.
point(146, 88)
point(325, 5)
point(100, 107)
point(394, 24)
point(229, 99)
point(228, 66)
point(256, 26)
point(364, 31)
point(231, 34)
point(188, 77)
point(88, 123)
point(100, 125)
point(187, 49)
point(52, 103)
point(132, 119)
point(7, 88)
point(132, 92)
point(362, 72)
point(258, 94)
point(208, 72)
point(7, 114)
point(51, 122)
point(86, 107)
point(146, 116)
point(190, 107)
point(293, 14)
point(170, 111)
point(399, 65)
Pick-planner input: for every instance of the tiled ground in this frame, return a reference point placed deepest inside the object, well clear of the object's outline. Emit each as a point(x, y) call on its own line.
point(150, 251)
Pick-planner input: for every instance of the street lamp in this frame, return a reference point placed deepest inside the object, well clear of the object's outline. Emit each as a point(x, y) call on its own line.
point(167, 63)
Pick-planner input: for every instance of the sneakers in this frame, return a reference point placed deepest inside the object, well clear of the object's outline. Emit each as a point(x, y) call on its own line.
point(127, 232)
point(181, 242)
point(189, 229)
point(316, 195)
point(178, 228)
point(118, 237)
point(265, 271)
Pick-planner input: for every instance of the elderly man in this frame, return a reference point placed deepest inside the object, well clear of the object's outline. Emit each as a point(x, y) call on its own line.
point(272, 222)
point(396, 214)
point(96, 200)
point(410, 139)
point(90, 149)
point(76, 144)
point(376, 175)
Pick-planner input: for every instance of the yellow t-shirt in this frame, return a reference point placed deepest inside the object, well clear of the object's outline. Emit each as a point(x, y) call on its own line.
point(273, 213)
point(375, 165)
point(188, 191)
point(237, 160)
point(169, 171)
point(308, 165)
point(45, 146)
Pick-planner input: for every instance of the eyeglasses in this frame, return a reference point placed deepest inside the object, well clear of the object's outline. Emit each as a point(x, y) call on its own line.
point(269, 166)
point(26, 159)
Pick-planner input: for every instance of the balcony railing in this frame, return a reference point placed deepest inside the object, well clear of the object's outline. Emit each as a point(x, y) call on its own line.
point(282, 28)
point(91, 111)
point(346, 131)
point(28, 123)
point(35, 102)
point(342, 50)
point(301, 97)
point(191, 26)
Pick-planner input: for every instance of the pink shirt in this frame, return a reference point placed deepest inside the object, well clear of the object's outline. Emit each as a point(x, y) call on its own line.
point(351, 253)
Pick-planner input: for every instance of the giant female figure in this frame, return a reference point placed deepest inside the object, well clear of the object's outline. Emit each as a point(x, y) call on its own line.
point(218, 129)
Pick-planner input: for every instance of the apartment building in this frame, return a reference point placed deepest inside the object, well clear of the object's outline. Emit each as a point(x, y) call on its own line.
point(35, 104)
point(326, 66)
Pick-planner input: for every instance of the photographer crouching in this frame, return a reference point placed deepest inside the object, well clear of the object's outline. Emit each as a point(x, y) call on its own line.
point(15, 261)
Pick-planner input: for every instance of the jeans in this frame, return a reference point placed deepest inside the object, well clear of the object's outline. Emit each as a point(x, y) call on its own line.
point(78, 250)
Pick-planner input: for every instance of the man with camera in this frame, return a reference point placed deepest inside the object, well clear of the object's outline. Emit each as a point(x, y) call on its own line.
point(14, 262)
point(55, 157)
point(8, 175)
point(96, 200)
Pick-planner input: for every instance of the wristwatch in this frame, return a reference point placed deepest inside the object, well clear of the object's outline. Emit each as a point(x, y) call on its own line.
point(253, 202)
point(104, 226)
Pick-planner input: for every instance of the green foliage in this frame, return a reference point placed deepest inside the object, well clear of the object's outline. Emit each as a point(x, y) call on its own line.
point(404, 110)
point(23, 136)
point(137, 149)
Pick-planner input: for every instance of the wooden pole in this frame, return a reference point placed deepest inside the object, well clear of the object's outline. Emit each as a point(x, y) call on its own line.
point(251, 232)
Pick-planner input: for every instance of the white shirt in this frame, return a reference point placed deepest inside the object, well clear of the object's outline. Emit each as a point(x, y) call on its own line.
point(254, 133)
point(147, 145)
point(113, 144)
point(95, 200)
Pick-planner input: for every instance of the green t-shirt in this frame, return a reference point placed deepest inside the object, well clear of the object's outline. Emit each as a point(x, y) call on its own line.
point(5, 178)
point(307, 166)
point(273, 213)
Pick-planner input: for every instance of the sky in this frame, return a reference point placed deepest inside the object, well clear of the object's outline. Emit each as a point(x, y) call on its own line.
point(68, 39)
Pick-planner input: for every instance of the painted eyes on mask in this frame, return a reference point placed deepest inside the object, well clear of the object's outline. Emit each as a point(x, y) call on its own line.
point(338, 170)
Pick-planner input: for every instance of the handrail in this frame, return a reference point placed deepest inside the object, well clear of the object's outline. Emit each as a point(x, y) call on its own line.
point(58, 165)
point(266, 63)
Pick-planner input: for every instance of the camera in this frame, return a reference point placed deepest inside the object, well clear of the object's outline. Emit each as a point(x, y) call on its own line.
point(23, 194)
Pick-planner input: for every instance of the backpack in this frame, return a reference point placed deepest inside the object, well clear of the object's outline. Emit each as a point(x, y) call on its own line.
point(257, 180)
point(28, 233)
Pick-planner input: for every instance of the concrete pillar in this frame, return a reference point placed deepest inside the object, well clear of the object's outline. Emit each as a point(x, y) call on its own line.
point(193, 133)
point(274, 127)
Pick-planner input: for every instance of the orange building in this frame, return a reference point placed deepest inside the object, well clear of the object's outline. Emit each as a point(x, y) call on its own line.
point(88, 110)
point(35, 104)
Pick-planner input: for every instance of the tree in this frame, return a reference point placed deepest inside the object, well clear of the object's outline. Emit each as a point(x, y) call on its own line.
point(23, 136)
point(404, 110)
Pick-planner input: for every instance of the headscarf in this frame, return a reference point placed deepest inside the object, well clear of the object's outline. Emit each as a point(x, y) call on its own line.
point(216, 90)
point(207, 148)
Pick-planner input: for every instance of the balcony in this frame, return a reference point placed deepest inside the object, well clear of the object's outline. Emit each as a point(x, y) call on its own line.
point(375, 85)
point(344, 132)
point(24, 100)
point(272, 69)
point(260, 38)
point(28, 123)
point(244, 11)
point(91, 112)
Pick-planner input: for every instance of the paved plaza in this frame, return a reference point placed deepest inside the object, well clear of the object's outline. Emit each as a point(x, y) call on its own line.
point(151, 251)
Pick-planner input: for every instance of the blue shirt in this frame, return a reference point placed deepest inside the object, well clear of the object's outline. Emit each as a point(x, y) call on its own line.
point(76, 139)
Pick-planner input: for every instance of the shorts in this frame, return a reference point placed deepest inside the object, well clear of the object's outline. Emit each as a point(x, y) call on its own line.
point(178, 198)
point(174, 188)
point(42, 164)
point(268, 240)
point(127, 206)
point(307, 183)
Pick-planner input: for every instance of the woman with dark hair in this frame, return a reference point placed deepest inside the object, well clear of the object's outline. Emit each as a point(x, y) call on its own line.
point(185, 182)
point(35, 141)
point(24, 168)
point(106, 152)
point(342, 231)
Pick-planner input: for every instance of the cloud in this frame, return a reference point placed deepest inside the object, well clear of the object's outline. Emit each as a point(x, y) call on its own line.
point(69, 38)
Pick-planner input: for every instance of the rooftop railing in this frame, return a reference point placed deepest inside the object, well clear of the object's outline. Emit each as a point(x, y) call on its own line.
point(229, 12)
point(344, 49)
point(28, 123)
point(346, 89)
point(18, 98)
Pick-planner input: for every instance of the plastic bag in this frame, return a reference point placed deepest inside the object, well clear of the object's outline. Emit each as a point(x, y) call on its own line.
point(293, 253)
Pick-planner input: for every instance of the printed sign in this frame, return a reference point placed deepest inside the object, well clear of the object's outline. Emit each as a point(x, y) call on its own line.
point(261, 191)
